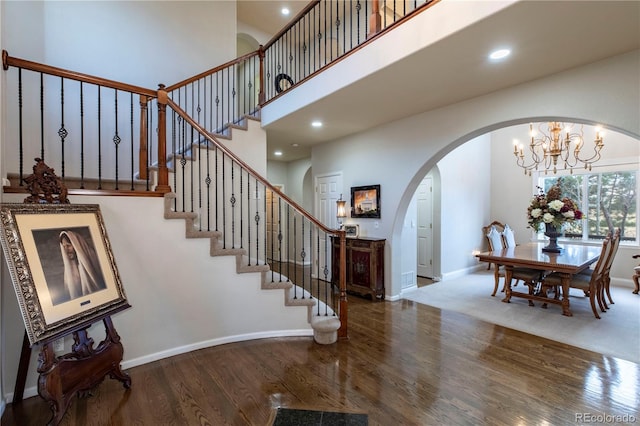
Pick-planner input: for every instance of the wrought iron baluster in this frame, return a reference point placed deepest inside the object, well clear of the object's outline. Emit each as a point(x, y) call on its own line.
point(99, 137)
point(208, 183)
point(42, 116)
point(116, 136)
point(132, 141)
point(303, 255)
point(62, 132)
point(249, 215)
point(232, 200)
point(295, 254)
point(280, 236)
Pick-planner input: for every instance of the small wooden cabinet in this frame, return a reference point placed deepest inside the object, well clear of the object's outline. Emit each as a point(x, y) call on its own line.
point(365, 265)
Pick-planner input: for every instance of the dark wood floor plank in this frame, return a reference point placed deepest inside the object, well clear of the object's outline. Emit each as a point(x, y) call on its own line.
point(404, 363)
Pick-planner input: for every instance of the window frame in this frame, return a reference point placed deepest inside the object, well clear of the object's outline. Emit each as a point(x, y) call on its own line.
point(611, 166)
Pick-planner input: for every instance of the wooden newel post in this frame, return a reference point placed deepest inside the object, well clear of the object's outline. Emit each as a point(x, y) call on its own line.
point(163, 171)
point(375, 22)
point(144, 132)
point(344, 309)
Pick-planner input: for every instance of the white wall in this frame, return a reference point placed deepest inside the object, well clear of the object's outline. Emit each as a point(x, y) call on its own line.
point(296, 179)
point(140, 43)
point(466, 197)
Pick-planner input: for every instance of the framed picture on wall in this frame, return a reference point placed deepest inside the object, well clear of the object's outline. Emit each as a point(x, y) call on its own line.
point(365, 201)
point(62, 267)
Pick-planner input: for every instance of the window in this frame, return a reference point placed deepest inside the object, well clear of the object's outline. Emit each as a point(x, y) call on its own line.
point(608, 201)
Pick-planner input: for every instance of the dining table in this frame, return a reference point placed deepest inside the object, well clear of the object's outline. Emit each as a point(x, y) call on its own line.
point(572, 259)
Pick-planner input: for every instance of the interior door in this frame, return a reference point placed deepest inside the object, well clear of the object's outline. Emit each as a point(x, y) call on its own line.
point(328, 191)
point(424, 199)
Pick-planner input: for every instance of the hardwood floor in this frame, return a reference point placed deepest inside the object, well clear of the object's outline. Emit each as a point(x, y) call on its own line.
point(403, 364)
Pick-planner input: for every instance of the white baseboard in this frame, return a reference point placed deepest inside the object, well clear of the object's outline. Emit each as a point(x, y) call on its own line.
point(213, 342)
point(462, 272)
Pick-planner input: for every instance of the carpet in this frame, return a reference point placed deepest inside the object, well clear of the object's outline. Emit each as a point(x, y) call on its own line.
point(616, 334)
point(292, 417)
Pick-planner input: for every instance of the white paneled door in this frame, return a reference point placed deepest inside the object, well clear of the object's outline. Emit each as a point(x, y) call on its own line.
point(328, 191)
point(425, 228)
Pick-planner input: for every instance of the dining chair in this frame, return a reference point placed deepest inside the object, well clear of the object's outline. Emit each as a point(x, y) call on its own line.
point(606, 278)
point(636, 276)
point(591, 284)
point(530, 277)
point(499, 226)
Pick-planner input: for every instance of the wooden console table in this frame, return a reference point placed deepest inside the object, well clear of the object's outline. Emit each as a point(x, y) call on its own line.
point(365, 265)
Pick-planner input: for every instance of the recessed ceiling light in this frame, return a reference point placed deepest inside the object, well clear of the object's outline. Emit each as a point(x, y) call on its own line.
point(278, 153)
point(285, 11)
point(295, 145)
point(316, 123)
point(499, 54)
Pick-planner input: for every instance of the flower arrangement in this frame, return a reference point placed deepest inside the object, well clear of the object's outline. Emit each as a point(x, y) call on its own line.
point(552, 209)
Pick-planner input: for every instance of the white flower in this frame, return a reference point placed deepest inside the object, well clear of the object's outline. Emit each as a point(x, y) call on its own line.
point(548, 218)
point(569, 214)
point(556, 205)
point(535, 213)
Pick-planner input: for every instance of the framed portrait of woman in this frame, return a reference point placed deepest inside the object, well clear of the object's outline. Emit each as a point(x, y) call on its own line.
point(62, 266)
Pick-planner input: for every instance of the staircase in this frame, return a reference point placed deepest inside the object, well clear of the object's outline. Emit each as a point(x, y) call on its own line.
point(247, 139)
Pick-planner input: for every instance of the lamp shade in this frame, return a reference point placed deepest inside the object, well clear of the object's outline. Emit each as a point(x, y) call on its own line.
point(342, 210)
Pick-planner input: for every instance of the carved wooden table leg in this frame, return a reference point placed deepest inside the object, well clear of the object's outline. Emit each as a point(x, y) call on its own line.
point(636, 284)
point(565, 279)
point(508, 274)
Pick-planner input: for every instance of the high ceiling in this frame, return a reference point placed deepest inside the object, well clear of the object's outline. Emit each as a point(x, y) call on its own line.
point(546, 38)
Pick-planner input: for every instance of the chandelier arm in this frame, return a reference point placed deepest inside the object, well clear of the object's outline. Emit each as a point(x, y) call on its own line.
point(546, 150)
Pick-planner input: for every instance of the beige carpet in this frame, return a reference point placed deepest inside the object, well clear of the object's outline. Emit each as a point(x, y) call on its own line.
point(616, 334)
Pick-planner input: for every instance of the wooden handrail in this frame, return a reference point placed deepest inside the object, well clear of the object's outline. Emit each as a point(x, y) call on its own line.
point(186, 117)
point(8, 61)
point(291, 23)
point(212, 71)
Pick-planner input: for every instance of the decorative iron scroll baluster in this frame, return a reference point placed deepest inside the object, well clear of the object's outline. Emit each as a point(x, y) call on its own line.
point(189, 147)
point(218, 181)
point(264, 226)
point(183, 160)
point(232, 200)
point(241, 209)
point(249, 216)
point(295, 252)
point(257, 220)
point(174, 155)
point(288, 249)
point(207, 181)
point(116, 137)
point(62, 132)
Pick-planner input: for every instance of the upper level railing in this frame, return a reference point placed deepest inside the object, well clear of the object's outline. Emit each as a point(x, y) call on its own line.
point(326, 31)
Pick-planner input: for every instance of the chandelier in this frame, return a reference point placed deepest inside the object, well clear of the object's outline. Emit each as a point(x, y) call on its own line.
point(560, 147)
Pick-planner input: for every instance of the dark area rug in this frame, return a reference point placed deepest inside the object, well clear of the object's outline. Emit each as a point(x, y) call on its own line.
point(291, 417)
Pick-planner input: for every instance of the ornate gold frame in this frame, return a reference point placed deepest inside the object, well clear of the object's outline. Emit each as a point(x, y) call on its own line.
point(23, 228)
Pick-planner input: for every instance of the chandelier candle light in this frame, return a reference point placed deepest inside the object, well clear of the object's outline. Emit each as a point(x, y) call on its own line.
point(548, 150)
